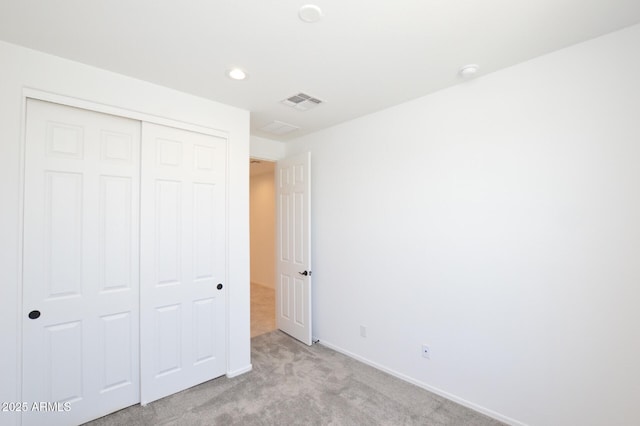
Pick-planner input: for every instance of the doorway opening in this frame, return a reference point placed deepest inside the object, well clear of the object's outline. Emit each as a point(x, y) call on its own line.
point(262, 223)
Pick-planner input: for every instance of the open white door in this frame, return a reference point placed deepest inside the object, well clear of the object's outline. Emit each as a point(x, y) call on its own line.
point(183, 260)
point(293, 280)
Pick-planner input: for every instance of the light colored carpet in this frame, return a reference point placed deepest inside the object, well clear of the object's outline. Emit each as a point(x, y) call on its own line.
point(295, 384)
point(263, 309)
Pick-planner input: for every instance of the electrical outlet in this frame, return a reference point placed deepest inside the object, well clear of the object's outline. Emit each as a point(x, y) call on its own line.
point(363, 331)
point(426, 352)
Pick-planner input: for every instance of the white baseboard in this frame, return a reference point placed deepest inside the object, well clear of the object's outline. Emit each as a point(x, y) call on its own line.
point(235, 373)
point(454, 398)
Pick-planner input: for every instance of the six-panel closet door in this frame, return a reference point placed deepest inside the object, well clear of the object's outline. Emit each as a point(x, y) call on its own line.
point(80, 264)
point(183, 260)
point(124, 262)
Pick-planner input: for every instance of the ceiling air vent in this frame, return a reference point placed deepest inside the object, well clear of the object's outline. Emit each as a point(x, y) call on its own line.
point(302, 102)
point(279, 128)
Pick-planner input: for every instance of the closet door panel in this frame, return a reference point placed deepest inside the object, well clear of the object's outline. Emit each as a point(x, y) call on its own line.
point(183, 260)
point(80, 282)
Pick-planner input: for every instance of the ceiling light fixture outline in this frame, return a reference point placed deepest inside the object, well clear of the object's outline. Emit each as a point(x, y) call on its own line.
point(237, 74)
point(469, 70)
point(310, 13)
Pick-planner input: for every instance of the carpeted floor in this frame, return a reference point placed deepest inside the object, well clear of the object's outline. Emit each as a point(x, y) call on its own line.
point(263, 309)
point(294, 384)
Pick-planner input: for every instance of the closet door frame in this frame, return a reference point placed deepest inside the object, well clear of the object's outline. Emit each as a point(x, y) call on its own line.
point(30, 93)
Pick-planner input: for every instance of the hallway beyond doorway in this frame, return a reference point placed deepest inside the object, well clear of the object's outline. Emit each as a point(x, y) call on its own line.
point(263, 312)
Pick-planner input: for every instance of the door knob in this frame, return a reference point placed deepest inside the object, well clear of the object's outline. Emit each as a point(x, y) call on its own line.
point(305, 273)
point(219, 286)
point(34, 314)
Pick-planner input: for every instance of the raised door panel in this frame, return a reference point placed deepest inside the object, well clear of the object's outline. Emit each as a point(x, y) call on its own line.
point(168, 232)
point(168, 359)
point(116, 347)
point(63, 233)
point(116, 233)
point(204, 320)
point(63, 350)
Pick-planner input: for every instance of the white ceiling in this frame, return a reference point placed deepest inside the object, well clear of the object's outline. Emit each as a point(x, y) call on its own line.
point(365, 55)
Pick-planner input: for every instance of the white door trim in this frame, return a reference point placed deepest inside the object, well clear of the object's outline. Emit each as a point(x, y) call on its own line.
point(117, 111)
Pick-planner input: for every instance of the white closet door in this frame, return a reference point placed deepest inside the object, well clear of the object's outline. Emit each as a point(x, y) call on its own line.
point(81, 293)
point(183, 240)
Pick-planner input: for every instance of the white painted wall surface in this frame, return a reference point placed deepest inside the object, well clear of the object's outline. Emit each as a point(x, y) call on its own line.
point(23, 68)
point(267, 149)
point(262, 201)
point(497, 221)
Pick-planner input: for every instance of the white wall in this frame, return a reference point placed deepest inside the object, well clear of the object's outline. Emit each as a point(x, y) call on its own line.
point(262, 202)
point(499, 222)
point(267, 149)
point(22, 68)
point(262, 212)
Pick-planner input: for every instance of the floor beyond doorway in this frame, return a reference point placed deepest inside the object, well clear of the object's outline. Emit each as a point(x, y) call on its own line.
point(263, 309)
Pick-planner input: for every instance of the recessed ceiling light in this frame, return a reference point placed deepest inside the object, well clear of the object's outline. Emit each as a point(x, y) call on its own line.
point(310, 13)
point(237, 74)
point(468, 70)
